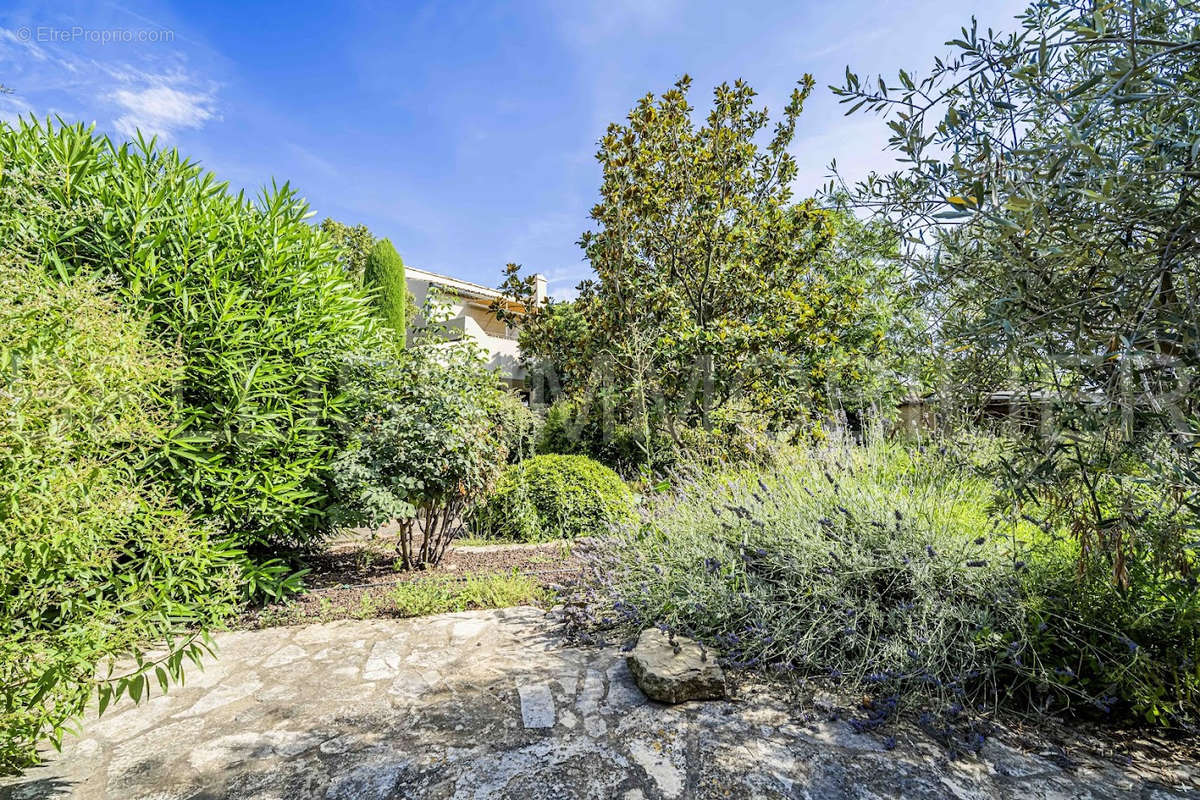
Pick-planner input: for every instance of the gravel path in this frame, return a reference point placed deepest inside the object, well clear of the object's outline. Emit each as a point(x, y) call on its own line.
point(492, 704)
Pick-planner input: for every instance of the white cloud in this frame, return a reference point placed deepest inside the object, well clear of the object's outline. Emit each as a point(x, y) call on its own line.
point(594, 21)
point(161, 110)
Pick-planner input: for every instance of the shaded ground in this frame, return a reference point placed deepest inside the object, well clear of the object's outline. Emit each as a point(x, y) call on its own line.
point(492, 704)
point(355, 576)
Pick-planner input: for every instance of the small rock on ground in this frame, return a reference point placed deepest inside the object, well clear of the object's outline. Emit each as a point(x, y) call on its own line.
point(675, 669)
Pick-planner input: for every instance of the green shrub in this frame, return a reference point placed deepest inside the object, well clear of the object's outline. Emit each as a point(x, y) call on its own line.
point(1130, 649)
point(515, 426)
point(250, 294)
point(572, 427)
point(555, 496)
point(384, 275)
point(420, 445)
point(560, 433)
point(95, 562)
point(886, 568)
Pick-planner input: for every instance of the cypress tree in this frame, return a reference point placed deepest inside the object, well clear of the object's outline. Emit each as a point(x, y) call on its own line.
point(384, 275)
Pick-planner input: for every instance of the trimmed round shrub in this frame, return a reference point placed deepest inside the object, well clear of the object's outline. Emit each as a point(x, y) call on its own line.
point(248, 293)
point(553, 497)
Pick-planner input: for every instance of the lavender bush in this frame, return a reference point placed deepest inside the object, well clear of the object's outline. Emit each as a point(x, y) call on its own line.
point(885, 568)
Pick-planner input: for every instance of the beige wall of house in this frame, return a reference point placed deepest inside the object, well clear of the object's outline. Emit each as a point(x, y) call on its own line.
point(470, 317)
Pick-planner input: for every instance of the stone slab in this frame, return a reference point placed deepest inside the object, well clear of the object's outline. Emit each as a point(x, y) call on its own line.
point(493, 704)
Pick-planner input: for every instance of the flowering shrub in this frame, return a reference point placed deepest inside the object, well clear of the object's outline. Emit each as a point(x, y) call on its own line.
point(884, 568)
point(552, 497)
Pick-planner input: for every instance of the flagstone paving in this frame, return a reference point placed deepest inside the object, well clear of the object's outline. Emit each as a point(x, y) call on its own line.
point(493, 704)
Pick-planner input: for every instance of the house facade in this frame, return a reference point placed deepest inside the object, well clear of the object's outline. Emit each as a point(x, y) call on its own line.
point(470, 317)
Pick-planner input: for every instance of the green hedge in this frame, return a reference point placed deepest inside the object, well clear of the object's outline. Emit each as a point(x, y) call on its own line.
point(95, 562)
point(248, 292)
point(552, 497)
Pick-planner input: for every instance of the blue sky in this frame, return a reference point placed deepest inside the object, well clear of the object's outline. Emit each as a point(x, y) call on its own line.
point(463, 131)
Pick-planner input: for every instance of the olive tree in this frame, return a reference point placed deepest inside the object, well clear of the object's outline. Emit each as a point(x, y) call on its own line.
point(1050, 205)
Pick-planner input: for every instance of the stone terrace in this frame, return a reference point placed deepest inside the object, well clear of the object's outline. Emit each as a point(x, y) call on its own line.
point(493, 705)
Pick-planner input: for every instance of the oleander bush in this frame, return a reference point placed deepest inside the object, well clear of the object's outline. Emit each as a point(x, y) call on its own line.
point(249, 294)
point(554, 497)
point(96, 562)
point(890, 570)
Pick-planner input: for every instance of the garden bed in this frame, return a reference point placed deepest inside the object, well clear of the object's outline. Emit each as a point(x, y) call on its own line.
point(359, 577)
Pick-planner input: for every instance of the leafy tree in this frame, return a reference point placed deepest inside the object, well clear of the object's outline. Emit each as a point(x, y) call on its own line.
point(555, 336)
point(719, 301)
point(384, 275)
point(353, 243)
point(1050, 199)
point(700, 248)
point(422, 446)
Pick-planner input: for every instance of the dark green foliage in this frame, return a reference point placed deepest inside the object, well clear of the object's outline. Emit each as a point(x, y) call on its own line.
point(384, 275)
point(421, 443)
point(552, 497)
point(575, 427)
point(720, 301)
point(353, 245)
point(95, 560)
point(249, 293)
point(578, 427)
point(1131, 650)
point(515, 426)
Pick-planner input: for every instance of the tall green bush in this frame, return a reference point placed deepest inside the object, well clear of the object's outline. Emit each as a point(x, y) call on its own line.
point(384, 275)
point(95, 561)
point(421, 446)
point(248, 292)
